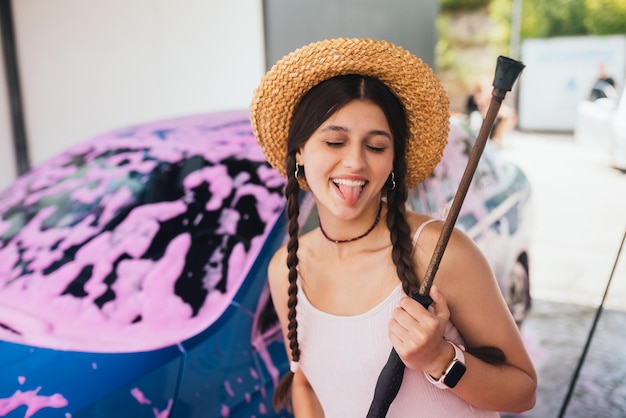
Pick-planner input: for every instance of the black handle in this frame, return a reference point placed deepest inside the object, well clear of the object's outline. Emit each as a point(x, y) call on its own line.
point(390, 378)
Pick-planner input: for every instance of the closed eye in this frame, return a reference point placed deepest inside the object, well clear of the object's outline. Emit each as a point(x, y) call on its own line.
point(376, 149)
point(334, 144)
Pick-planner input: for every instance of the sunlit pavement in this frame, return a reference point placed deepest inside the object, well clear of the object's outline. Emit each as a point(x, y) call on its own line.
point(580, 219)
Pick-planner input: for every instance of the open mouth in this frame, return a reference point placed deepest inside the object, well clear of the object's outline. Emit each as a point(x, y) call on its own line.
point(350, 190)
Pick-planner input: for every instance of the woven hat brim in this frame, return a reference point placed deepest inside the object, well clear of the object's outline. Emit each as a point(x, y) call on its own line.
point(412, 81)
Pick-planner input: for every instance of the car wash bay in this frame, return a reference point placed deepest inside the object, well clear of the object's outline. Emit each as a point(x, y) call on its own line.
point(580, 220)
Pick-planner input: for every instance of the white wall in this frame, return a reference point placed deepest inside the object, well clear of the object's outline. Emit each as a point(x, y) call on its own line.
point(7, 156)
point(89, 66)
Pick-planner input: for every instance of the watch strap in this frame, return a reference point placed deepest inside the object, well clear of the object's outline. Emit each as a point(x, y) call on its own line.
point(453, 373)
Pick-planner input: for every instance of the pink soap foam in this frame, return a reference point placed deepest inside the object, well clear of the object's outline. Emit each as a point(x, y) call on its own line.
point(33, 402)
point(143, 400)
point(63, 321)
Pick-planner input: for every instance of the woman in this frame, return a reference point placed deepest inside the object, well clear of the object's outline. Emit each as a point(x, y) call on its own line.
point(358, 122)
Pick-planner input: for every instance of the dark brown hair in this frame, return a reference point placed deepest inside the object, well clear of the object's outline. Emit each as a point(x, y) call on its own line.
point(316, 106)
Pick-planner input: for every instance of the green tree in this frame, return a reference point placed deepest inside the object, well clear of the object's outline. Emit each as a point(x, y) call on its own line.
point(459, 5)
point(546, 19)
point(605, 17)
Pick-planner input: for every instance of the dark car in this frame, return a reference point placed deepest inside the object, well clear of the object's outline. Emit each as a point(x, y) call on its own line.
point(133, 269)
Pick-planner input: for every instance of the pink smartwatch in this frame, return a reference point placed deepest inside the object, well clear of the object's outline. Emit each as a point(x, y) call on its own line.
point(454, 371)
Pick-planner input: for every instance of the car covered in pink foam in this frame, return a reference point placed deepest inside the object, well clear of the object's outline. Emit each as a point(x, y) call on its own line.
point(133, 268)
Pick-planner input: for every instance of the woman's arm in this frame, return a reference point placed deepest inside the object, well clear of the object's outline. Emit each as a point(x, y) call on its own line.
point(466, 292)
point(304, 401)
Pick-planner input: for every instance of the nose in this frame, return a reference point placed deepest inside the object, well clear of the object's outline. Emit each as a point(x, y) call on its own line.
point(354, 157)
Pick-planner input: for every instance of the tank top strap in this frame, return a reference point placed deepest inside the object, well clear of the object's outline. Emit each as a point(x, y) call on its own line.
point(420, 229)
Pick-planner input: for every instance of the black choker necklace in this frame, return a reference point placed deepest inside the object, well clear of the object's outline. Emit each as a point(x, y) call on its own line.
point(341, 241)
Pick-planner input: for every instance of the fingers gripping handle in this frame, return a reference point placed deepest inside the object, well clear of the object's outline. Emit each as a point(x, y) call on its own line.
point(390, 378)
point(424, 300)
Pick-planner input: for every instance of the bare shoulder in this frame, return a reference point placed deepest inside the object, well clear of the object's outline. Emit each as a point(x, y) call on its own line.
point(432, 229)
point(278, 272)
point(460, 251)
point(463, 274)
point(415, 219)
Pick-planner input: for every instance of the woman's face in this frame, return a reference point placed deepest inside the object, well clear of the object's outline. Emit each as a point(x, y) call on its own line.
point(349, 157)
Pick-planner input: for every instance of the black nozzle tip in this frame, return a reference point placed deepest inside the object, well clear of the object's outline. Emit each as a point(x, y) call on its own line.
point(507, 71)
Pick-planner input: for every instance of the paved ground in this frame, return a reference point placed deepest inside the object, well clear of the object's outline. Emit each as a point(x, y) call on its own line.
point(580, 219)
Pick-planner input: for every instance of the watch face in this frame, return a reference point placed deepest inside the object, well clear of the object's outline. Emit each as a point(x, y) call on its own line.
point(454, 374)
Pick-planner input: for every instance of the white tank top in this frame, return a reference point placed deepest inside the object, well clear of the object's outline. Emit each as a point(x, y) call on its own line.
point(342, 357)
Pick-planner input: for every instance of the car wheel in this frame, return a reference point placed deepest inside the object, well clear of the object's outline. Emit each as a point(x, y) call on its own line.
point(517, 294)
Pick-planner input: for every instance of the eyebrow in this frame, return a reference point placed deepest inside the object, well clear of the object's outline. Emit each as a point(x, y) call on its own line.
point(373, 132)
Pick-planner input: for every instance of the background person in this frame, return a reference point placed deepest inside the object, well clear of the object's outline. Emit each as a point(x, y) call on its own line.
point(476, 109)
point(604, 86)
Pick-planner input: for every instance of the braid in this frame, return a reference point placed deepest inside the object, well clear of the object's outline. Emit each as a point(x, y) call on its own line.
point(402, 244)
point(283, 390)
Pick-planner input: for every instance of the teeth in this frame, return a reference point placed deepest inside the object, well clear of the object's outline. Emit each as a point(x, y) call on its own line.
point(350, 183)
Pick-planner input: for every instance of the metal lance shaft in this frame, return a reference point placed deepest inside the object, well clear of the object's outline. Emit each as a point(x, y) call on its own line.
point(390, 378)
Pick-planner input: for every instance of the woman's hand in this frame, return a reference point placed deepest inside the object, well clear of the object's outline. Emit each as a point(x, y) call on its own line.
point(417, 334)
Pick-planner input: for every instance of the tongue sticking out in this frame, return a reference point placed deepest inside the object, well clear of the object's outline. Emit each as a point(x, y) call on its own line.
point(350, 193)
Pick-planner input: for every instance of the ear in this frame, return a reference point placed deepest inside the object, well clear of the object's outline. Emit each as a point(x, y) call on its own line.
point(298, 157)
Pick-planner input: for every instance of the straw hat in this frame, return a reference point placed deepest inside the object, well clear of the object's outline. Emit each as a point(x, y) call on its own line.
point(413, 82)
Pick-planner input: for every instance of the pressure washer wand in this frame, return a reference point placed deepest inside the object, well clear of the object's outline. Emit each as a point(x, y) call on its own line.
point(390, 378)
